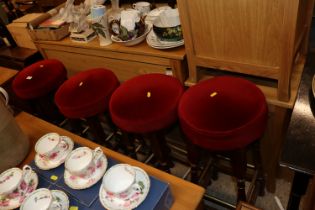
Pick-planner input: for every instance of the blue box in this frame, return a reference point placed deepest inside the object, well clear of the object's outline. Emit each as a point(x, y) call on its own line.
point(158, 198)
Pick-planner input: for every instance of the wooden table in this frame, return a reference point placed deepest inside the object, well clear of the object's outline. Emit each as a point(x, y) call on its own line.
point(125, 62)
point(6, 74)
point(186, 195)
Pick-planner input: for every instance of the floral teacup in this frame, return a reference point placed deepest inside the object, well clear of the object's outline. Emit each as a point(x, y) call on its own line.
point(83, 161)
point(13, 179)
point(51, 146)
point(41, 199)
point(120, 180)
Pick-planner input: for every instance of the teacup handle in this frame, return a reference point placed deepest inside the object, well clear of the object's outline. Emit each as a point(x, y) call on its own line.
point(6, 95)
point(135, 187)
point(63, 144)
point(27, 171)
point(97, 154)
point(55, 205)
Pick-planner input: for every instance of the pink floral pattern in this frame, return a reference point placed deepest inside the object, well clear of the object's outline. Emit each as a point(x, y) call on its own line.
point(20, 193)
point(79, 155)
point(54, 155)
point(128, 199)
point(7, 177)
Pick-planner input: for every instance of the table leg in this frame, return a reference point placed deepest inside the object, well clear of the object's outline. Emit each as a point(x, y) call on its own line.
point(298, 189)
point(179, 68)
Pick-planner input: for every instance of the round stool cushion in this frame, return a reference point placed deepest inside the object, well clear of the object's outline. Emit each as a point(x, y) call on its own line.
point(39, 79)
point(87, 93)
point(223, 113)
point(146, 103)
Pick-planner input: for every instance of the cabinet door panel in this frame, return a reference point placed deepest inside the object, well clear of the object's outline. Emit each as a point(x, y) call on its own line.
point(244, 31)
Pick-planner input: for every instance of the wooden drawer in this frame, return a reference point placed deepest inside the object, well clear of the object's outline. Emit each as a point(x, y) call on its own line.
point(124, 69)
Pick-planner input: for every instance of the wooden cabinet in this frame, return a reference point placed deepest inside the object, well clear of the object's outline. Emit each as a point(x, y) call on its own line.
point(266, 39)
point(125, 62)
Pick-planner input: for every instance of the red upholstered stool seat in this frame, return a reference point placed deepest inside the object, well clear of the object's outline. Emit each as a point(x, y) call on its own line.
point(146, 104)
point(86, 95)
point(37, 84)
point(39, 79)
point(223, 114)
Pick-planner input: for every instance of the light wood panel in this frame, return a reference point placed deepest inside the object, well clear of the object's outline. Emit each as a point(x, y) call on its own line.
point(6, 74)
point(124, 70)
point(252, 37)
point(141, 49)
point(239, 31)
point(125, 62)
point(182, 190)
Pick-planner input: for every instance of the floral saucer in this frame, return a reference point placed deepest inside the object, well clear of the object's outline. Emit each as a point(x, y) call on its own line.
point(61, 198)
point(55, 161)
point(154, 42)
point(78, 182)
point(110, 201)
point(15, 199)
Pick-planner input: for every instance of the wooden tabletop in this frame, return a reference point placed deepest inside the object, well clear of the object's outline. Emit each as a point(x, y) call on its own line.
point(143, 48)
point(186, 195)
point(6, 74)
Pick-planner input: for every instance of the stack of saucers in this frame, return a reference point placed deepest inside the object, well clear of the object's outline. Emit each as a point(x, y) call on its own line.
point(167, 31)
point(52, 150)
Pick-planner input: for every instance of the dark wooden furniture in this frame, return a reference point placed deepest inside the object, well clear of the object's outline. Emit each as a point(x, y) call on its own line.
point(18, 57)
point(299, 151)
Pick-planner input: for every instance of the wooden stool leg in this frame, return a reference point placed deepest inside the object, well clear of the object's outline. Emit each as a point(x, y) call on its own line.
point(193, 156)
point(47, 109)
point(75, 126)
point(260, 181)
point(128, 143)
point(238, 160)
point(161, 151)
point(97, 130)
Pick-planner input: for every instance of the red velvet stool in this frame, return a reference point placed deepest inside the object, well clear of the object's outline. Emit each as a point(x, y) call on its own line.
point(224, 114)
point(37, 84)
point(147, 105)
point(86, 95)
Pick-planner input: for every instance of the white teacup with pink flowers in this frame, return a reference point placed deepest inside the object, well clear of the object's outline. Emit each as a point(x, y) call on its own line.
point(51, 146)
point(11, 180)
point(120, 180)
point(82, 161)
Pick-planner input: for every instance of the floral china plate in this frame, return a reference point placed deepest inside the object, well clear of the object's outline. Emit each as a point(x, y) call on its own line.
point(55, 160)
point(78, 182)
point(15, 199)
point(61, 198)
point(155, 42)
point(110, 201)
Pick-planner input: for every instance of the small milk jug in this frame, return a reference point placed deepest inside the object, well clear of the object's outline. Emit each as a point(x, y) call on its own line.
point(14, 144)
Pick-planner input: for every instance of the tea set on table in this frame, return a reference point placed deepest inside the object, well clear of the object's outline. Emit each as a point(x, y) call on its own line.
point(135, 25)
point(123, 186)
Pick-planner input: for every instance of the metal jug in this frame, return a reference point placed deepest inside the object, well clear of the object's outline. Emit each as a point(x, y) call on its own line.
point(14, 144)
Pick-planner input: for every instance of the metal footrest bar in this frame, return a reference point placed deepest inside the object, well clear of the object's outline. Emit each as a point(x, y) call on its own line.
point(218, 201)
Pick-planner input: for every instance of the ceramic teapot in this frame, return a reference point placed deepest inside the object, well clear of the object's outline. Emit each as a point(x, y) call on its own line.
point(14, 144)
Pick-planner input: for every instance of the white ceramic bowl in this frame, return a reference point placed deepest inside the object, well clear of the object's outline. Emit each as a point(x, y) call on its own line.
point(135, 41)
